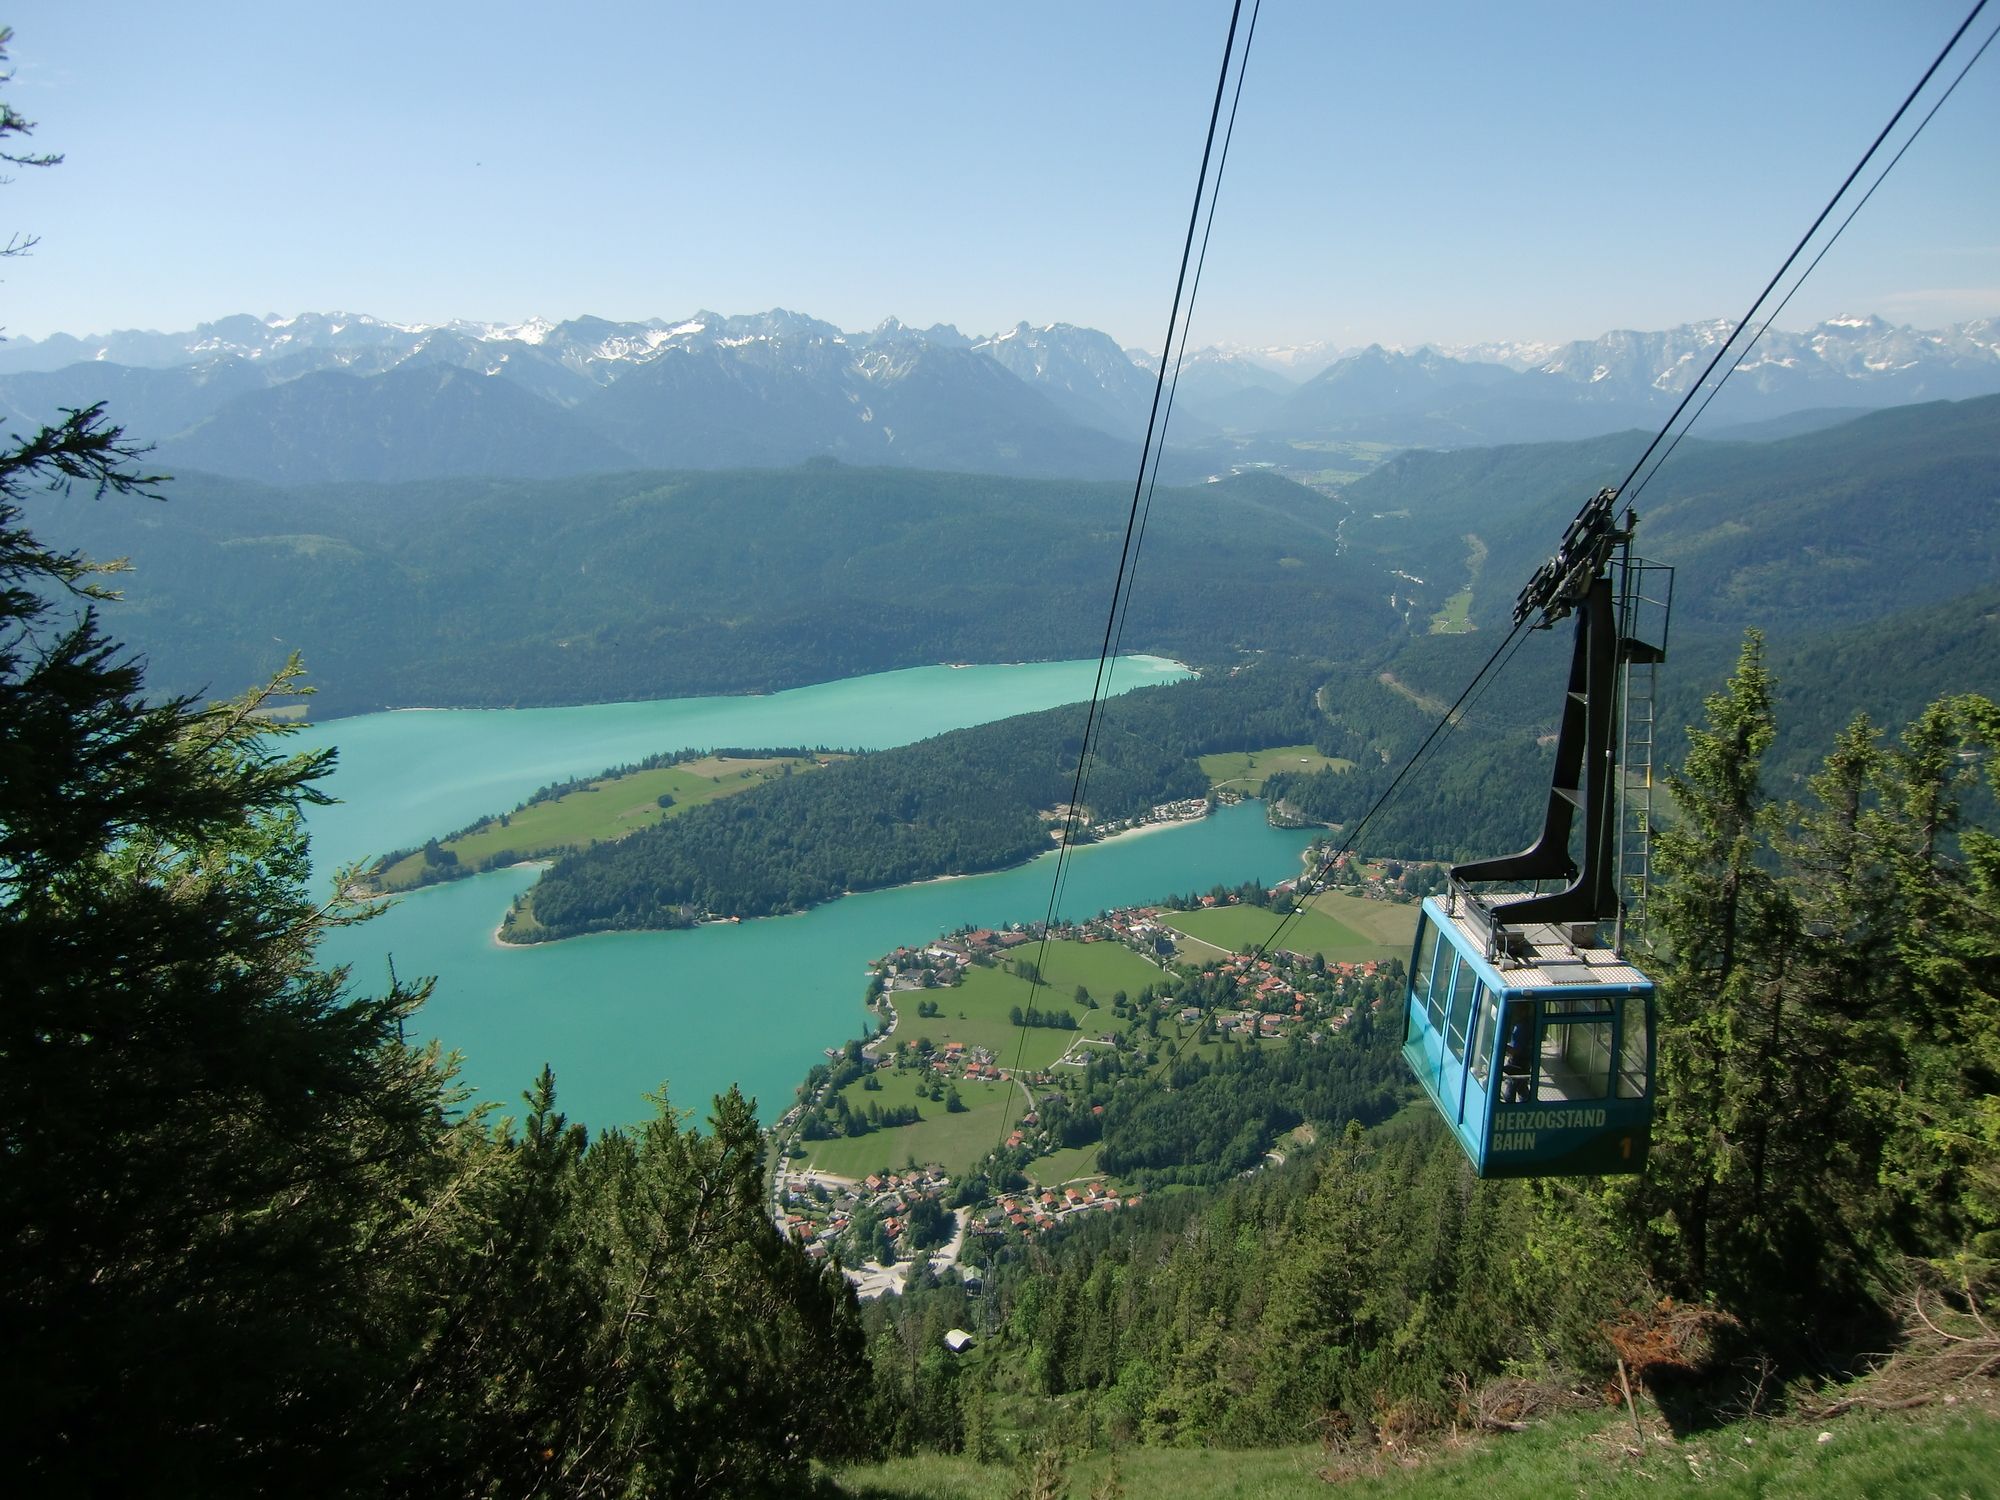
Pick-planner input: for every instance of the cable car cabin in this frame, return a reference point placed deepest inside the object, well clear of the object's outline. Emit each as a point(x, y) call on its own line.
point(1539, 1057)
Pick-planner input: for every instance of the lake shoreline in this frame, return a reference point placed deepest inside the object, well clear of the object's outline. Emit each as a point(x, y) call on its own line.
point(1142, 659)
point(751, 1003)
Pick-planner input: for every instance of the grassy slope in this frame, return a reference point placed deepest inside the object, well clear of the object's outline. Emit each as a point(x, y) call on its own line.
point(955, 1140)
point(1245, 770)
point(1455, 616)
point(606, 809)
point(1066, 1165)
point(1343, 929)
point(1938, 1451)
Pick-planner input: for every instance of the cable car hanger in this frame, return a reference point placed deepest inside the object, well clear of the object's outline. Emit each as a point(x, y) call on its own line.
point(1525, 1024)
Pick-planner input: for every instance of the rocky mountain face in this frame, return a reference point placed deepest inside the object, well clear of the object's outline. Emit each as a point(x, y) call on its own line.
point(712, 391)
point(1525, 393)
point(1082, 369)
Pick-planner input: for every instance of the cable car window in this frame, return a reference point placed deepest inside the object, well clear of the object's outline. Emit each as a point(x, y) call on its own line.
point(1441, 990)
point(1427, 947)
point(1575, 1059)
point(1482, 1037)
point(1463, 999)
point(1579, 1005)
point(1517, 1053)
point(1632, 1054)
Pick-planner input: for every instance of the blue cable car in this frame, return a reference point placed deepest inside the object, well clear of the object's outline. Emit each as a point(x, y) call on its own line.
point(1528, 1029)
point(1542, 1062)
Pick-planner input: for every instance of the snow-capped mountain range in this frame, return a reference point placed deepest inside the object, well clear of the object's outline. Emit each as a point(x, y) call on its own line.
point(336, 395)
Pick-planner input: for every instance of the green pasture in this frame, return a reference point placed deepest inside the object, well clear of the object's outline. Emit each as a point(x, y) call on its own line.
point(1187, 1040)
point(955, 1141)
point(1323, 479)
point(603, 810)
point(1066, 1165)
point(1940, 1450)
point(975, 1012)
point(1245, 770)
point(1333, 462)
point(1456, 616)
point(1385, 922)
point(1340, 928)
point(1103, 968)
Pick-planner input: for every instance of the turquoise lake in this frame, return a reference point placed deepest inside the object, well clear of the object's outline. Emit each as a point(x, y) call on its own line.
point(620, 1014)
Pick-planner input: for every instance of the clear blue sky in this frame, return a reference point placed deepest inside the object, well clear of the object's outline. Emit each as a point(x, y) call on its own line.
point(1402, 172)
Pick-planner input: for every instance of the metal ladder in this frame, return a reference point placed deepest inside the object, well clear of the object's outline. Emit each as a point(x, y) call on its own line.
point(1646, 605)
point(1635, 791)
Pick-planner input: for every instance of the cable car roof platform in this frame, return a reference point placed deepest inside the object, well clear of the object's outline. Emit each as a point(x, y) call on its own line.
point(1537, 954)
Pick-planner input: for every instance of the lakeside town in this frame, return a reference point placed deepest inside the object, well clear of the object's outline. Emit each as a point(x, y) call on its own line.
point(969, 1115)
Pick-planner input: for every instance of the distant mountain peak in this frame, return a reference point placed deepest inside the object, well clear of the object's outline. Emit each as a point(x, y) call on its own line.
point(755, 385)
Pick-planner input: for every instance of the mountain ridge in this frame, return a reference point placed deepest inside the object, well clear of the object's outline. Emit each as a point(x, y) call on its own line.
point(1056, 399)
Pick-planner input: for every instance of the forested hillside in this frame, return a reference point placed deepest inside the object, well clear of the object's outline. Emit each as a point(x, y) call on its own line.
point(1481, 790)
point(968, 801)
point(656, 585)
point(476, 592)
point(1889, 511)
point(1820, 1200)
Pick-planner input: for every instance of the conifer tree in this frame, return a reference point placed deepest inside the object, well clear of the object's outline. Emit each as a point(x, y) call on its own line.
point(253, 1241)
point(1943, 1151)
point(1713, 917)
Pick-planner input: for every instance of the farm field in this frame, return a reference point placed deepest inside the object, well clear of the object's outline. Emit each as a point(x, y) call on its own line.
point(1384, 922)
point(1455, 618)
point(954, 1140)
point(1339, 927)
point(1245, 770)
point(603, 810)
point(976, 1011)
point(1062, 1166)
point(1180, 1043)
point(1102, 968)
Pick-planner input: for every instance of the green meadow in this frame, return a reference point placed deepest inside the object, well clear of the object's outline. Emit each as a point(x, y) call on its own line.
point(1389, 923)
point(1339, 927)
point(1103, 968)
point(1455, 618)
point(977, 1011)
point(954, 1140)
point(1065, 1165)
point(1942, 1451)
point(603, 810)
point(1245, 770)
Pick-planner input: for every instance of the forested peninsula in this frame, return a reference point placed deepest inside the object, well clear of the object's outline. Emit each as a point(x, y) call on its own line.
point(972, 800)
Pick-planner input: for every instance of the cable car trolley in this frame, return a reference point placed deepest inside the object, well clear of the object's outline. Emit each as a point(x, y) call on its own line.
point(1524, 1023)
